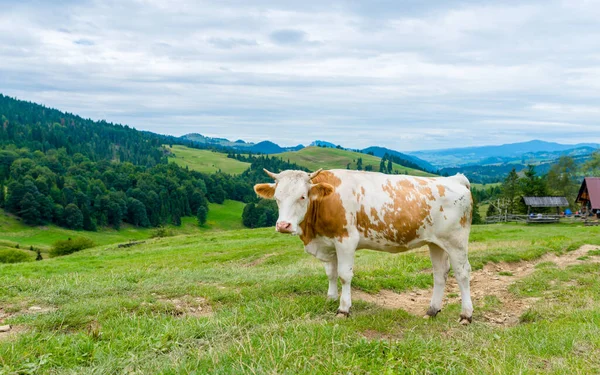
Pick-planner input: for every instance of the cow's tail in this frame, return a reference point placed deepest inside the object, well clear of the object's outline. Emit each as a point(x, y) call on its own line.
point(462, 179)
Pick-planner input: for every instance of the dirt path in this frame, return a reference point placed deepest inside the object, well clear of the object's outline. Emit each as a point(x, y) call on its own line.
point(485, 282)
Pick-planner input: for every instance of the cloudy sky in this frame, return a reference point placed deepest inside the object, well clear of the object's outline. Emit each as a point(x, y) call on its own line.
point(406, 74)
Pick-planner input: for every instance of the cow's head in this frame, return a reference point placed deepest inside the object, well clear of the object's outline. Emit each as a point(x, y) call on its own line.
point(293, 191)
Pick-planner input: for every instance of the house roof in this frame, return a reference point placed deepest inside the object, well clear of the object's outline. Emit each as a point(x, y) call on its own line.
point(546, 201)
point(590, 191)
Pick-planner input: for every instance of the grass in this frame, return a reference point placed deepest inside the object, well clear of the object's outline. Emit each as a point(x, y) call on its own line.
point(111, 310)
point(314, 158)
point(205, 161)
point(220, 217)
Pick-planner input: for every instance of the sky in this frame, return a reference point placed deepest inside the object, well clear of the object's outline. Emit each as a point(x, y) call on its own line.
point(408, 75)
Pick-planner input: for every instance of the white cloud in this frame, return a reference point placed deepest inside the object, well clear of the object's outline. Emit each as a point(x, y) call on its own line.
point(405, 76)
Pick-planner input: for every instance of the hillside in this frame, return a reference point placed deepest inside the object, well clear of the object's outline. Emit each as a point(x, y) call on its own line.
point(405, 158)
point(205, 161)
point(314, 158)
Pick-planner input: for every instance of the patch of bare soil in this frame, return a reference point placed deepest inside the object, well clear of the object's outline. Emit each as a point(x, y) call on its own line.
point(493, 280)
point(187, 306)
point(9, 331)
point(258, 261)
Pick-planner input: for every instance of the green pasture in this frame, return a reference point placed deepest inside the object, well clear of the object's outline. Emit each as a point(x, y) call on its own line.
point(205, 160)
point(252, 302)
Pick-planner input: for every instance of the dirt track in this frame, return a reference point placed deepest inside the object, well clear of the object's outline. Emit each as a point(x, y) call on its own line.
point(484, 282)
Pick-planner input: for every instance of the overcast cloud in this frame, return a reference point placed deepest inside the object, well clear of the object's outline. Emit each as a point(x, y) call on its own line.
point(403, 74)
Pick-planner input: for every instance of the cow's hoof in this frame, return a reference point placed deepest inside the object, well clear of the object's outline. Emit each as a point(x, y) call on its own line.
point(432, 312)
point(465, 320)
point(342, 314)
point(426, 316)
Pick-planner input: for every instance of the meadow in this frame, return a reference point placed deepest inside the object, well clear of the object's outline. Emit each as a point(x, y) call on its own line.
point(224, 216)
point(205, 160)
point(251, 301)
point(314, 158)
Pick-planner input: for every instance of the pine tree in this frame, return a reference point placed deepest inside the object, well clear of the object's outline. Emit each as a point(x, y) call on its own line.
point(201, 215)
point(73, 217)
point(510, 190)
point(390, 166)
point(30, 209)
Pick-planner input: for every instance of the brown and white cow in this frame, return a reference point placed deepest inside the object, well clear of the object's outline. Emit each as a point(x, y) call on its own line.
point(337, 212)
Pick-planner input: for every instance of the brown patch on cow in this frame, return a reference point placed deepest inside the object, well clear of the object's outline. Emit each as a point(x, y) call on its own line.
point(441, 208)
point(400, 220)
point(484, 282)
point(325, 216)
point(464, 220)
point(362, 190)
point(321, 190)
point(421, 181)
point(265, 190)
point(328, 177)
point(441, 190)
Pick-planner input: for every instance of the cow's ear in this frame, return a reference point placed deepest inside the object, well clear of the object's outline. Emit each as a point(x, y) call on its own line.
point(321, 190)
point(265, 190)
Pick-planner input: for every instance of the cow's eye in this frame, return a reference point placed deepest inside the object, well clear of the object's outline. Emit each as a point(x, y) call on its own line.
point(302, 198)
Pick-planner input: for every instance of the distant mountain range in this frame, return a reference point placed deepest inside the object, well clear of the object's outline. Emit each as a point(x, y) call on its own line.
point(532, 152)
point(481, 164)
point(264, 147)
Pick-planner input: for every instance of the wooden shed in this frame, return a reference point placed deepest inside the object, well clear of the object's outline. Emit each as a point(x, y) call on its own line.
point(589, 196)
point(537, 202)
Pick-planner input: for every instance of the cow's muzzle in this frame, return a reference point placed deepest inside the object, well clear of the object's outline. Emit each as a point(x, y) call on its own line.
point(283, 227)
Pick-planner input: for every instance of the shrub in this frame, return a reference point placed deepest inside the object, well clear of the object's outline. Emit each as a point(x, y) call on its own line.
point(162, 232)
point(65, 247)
point(13, 256)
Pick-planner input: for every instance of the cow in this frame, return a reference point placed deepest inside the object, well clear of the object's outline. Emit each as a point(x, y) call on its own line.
point(336, 212)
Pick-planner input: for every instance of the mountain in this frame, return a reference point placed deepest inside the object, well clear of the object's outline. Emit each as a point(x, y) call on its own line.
point(531, 152)
point(319, 143)
point(264, 147)
point(420, 163)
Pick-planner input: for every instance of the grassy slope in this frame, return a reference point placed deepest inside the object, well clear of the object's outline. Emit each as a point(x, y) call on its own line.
point(115, 310)
point(205, 160)
point(314, 158)
point(220, 217)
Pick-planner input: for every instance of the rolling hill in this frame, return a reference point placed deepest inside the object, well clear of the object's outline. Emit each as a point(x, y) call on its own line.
point(314, 158)
point(205, 161)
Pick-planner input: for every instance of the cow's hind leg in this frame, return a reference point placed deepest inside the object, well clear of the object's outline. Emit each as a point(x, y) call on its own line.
point(462, 273)
point(441, 267)
point(332, 274)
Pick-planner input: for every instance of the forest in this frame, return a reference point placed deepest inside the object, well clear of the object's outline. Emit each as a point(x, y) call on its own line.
point(59, 168)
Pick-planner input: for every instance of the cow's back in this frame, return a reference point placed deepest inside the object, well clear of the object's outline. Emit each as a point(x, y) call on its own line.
point(397, 212)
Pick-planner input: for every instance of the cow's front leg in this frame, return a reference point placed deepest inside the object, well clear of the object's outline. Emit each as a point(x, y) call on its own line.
point(331, 269)
point(345, 258)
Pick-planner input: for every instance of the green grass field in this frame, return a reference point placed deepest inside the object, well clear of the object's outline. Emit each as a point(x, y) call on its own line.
point(220, 217)
point(251, 301)
point(314, 158)
point(205, 161)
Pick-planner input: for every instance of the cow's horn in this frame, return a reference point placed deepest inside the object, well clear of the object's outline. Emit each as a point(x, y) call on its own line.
point(315, 173)
point(274, 176)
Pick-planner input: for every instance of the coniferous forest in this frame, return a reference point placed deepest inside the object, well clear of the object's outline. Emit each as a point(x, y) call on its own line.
point(59, 168)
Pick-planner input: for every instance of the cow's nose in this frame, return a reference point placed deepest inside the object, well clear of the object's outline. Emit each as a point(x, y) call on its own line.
point(284, 227)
